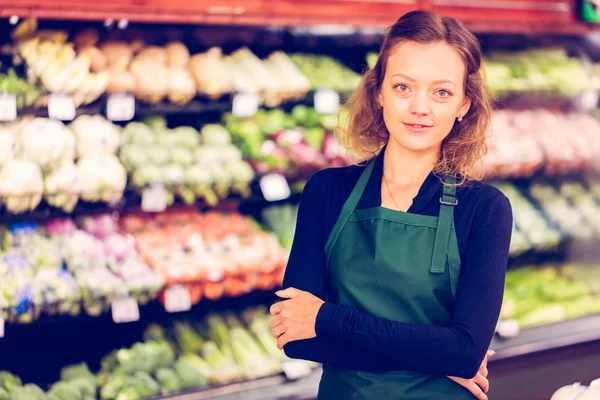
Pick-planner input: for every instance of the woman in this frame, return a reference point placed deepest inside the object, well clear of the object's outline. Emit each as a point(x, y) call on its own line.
point(409, 251)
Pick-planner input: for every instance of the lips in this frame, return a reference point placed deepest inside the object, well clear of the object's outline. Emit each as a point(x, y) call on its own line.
point(417, 127)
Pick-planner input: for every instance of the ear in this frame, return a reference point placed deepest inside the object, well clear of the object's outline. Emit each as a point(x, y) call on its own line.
point(380, 99)
point(464, 108)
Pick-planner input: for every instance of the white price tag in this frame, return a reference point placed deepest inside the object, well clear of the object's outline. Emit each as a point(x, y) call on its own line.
point(295, 369)
point(177, 299)
point(1, 327)
point(154, 198)
point(327, 101)
point(588, 100)
point(61, 107)
point(125, 310)
point(8, 107)
point(120, 107)
point(293, 136)
point(215, 274)
point(508, 329)
point(245, 105)
point(275, 187)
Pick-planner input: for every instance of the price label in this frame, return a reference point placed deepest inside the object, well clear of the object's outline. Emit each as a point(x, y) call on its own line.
point(215, 274)
point(293, 136)
point(245, 105)
point(327, 101)
point(295, 369)
point(588, 100)
point(508, 329)
point(154, 198)
point(125, 310)
point(177, 299)
point(275, 187)
point(8, 107)
point(1, 327)
point(120, 107)
point(61, 107)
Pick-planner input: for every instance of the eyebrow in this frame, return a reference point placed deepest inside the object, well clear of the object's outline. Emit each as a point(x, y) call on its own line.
point(439, 81)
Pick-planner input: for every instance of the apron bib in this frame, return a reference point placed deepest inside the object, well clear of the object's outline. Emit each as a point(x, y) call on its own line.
point(399, 266)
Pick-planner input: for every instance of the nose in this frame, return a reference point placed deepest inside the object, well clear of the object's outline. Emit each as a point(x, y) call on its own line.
point(420, 104)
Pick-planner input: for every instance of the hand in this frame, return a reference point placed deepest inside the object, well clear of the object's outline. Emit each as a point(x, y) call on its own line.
point(479, 385)
point(294, 319)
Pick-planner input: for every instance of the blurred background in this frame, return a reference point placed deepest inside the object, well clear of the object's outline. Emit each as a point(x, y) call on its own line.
point(152, 155)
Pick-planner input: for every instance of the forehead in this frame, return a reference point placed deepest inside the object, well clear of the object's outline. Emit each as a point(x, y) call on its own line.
point(427, 62)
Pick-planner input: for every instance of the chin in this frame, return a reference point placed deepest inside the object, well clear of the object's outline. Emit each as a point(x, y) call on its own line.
point(418, 144)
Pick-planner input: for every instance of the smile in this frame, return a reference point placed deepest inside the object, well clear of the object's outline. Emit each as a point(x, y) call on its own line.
point(417, 127)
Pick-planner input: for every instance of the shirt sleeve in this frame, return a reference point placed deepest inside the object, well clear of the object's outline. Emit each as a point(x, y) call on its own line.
point(306, 271)
point(459, 348)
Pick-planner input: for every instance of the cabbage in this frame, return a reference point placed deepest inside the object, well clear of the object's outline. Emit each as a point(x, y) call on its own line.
point(61, 187)
point(21, 186)
point(95, 135)
point(102, 178)
point(138, 133)
point(45, 142)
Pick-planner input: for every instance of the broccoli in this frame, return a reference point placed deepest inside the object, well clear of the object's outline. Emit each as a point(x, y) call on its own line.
point(27, 392)
point(5, 396)
point(213, 134)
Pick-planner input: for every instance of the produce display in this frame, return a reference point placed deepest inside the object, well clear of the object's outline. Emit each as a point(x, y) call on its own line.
point(213, 254)
point(326, 72)
point(539, 295)
point(541, 70)
point(190, 164)
point(45, 158)
point(182, 355)
point(55, 268)
point(530, 227)
point(525, 142)
point(563, 213)
point(295, 144)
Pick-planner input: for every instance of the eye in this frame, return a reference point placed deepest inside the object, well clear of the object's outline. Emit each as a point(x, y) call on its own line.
point(444, 93)
point(401, 87)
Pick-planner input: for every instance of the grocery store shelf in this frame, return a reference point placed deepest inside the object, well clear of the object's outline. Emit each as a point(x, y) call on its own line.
point(549, 337)
point(552, 16)
point(271, 388)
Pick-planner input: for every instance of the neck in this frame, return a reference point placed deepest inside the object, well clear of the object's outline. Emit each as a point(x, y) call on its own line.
point(404, 167)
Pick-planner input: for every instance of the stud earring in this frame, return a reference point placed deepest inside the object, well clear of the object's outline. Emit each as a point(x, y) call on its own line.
point(460, 118)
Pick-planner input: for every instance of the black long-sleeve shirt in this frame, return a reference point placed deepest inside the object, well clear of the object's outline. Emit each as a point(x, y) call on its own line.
point(353, 339)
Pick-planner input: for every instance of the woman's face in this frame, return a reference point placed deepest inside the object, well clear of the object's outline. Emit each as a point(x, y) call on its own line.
point(422, 94)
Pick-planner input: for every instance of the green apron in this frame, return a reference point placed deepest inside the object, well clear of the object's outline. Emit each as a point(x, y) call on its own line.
point(399, 266)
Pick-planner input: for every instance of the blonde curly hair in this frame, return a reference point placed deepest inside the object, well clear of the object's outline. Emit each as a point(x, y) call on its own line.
point(363, 132)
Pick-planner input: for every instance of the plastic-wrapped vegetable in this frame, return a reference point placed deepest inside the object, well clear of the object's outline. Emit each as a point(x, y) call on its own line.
point(45, 142)
point(133, 156)
point(200, 180)
point(99, 287)
point(242, 174)
point(21, 186)
point(186, 136)
point(95, 135)
point(60, 291)
point(82, 251)
point(61, 187)
point(147, 174)
point(138, 133)
point(213, 134)
point(101, 226)
point(102, 178)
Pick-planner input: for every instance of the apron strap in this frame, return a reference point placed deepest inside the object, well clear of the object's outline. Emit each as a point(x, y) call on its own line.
point(349, 207)
point(445, 222)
